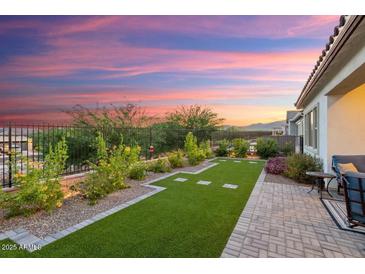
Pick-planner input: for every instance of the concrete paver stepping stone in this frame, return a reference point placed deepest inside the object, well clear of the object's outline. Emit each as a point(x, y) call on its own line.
point(230, 186)
point(237, 161)
point(180, 179)
point(222, 160)
point(251, 162)
point(204, 183)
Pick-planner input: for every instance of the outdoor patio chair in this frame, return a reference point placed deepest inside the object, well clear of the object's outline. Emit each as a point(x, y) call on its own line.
point(357, 160)
point(354, 190)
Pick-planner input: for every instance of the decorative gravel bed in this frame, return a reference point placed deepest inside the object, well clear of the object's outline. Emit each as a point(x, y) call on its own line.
point(76, 209)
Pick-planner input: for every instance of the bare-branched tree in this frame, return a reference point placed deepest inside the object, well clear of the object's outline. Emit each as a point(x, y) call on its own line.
point(125, 116)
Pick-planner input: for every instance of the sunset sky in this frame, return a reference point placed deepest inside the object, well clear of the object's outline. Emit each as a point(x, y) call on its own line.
point(247, 68)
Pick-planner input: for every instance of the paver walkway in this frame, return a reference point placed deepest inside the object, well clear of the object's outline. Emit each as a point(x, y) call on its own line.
point(283, 220)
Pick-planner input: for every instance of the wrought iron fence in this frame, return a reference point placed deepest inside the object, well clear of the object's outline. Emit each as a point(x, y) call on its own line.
point(24, 143)
point(21, 144)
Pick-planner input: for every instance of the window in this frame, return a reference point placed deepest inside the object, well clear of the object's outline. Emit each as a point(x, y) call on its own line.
point(311, 128)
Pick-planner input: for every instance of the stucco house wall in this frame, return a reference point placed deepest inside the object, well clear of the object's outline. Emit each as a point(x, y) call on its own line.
point(346, 122)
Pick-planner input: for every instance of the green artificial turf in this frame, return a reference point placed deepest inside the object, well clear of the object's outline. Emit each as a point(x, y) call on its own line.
point(185, 220)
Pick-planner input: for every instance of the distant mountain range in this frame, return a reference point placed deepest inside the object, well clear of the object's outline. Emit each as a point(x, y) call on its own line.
point(261, 126)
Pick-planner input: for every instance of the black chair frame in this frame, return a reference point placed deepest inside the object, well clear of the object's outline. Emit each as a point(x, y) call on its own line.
point(351, 220)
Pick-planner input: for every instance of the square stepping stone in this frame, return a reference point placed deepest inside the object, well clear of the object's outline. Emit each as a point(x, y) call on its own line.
point(222, 160)
point(237, 161)
point(204, 183)
point(230, 186)
point(250, 162)
point(180, 179)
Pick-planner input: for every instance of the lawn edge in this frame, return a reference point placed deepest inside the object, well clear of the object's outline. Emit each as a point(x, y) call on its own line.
point(240, 229)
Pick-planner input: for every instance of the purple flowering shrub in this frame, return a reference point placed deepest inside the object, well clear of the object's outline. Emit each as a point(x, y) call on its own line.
point(276, 165)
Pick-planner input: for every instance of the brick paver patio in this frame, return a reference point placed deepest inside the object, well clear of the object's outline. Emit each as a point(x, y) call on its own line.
point(283, 220)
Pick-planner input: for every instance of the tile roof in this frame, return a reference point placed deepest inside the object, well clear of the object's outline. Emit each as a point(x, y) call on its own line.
point(337, 30)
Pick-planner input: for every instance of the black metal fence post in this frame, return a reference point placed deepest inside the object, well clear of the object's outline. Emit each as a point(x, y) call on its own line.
point(150, 141)
point(10, 156)
point(3, 164)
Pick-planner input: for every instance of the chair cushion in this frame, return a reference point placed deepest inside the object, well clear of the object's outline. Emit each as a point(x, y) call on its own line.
point(357, 160)
point(349, 167)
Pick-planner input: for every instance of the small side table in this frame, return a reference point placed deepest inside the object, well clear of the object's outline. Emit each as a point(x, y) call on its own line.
point(319, 181)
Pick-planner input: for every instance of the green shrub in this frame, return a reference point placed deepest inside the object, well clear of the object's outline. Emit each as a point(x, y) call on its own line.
point(159, 166)
point(299, 164)
point(207, 149)
point(266, 147)
point(223, 148)
point(201, 156)
point(240, 147)
point(39, 188)
point(191, 143)
point(131, 154)
point(194, 153)
point(110, 171)
point(176, 158)
point(137, 171)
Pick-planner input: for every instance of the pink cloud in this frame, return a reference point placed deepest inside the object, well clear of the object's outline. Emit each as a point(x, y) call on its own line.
point(239, 115)
point(15, 25)
point(83, 24)
point(146, 96)
point(71, 56)
point(53, 117)
point(231, 26)
point(225, 26)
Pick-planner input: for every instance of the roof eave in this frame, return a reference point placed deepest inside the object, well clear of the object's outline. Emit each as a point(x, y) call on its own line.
point(320, 68)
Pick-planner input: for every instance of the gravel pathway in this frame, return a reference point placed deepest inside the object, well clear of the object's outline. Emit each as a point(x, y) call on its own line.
point(76, 209)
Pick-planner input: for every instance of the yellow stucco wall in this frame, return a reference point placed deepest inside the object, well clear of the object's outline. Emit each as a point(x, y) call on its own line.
point(346, 122)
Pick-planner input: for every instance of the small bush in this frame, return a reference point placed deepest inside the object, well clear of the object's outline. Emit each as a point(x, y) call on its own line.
point(206, 148)
point(223, 148)
point(276, 165)
point(194, 153)
point(266, 147)
point(110, 171)
point(39, 189)
point(299, 164)
point(231, 153)
point(240, 147)
point(159, 166)
point(176, 158)
point(131, 154)
point(138, 171)
point(201, 156)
